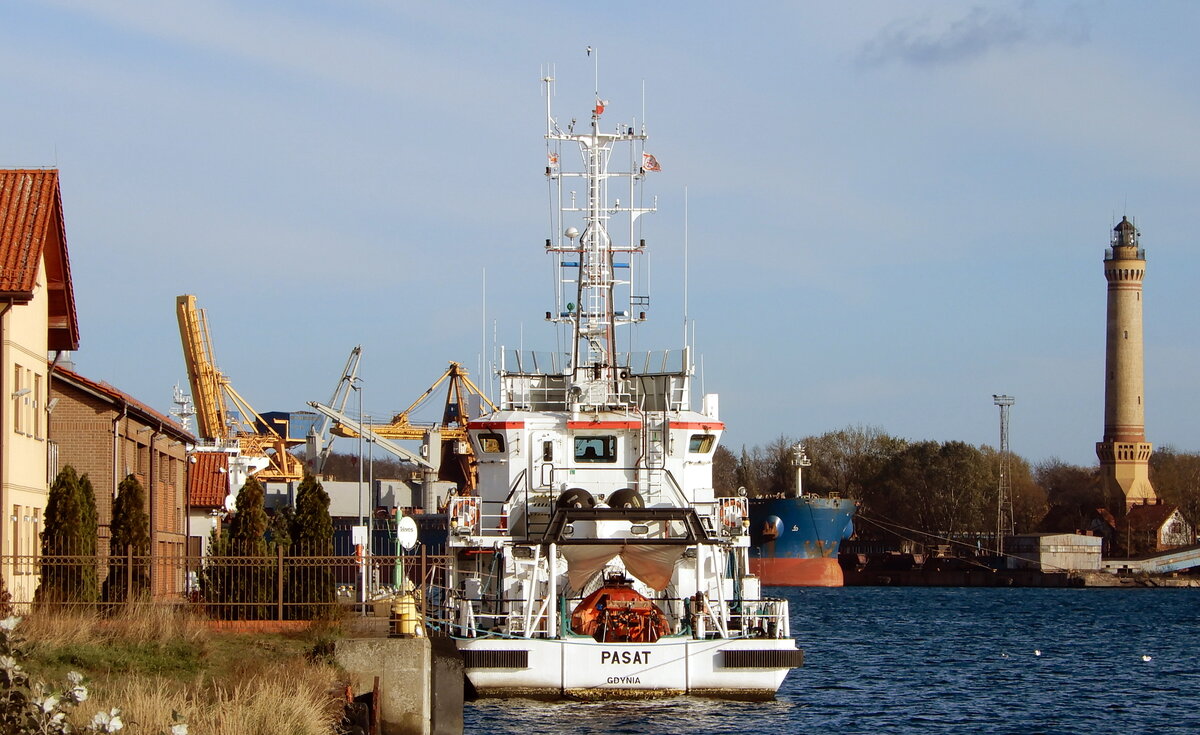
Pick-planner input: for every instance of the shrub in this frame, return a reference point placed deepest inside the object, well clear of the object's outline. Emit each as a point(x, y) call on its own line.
point(130, 533)
point(68, 540)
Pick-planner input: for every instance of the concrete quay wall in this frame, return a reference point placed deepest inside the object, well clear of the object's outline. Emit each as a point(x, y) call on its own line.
point(420, 682)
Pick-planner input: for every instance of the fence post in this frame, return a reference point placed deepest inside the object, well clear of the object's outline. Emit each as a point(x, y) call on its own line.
point(279, 580)
point(128, 572)
point(424, 585)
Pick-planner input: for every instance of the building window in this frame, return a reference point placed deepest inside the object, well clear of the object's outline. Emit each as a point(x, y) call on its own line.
point(18, 404)
point(596, 448)
point(37, 405)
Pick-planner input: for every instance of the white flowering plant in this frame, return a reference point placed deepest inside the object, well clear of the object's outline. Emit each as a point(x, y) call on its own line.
point(30, 706)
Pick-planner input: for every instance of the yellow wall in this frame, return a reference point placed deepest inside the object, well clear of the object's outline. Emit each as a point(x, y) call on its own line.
point(23, 481)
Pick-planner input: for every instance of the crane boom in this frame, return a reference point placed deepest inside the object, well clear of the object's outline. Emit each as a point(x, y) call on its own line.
point(213, 392)
point(365, 430)
point(318, 447)
point(458, 463)
point(206, 380)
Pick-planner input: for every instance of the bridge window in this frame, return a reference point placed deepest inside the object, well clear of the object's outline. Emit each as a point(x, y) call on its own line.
point(701, 443)
point(491, 443)
point(595, 449)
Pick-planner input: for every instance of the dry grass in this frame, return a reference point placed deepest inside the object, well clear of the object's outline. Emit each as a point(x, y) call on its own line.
point(145, 622)
point(281, 698)
point(153, 660)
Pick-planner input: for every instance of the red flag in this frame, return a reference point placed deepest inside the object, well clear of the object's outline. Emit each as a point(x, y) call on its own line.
point(600, 107)
point(553, 157)
point(650, 163)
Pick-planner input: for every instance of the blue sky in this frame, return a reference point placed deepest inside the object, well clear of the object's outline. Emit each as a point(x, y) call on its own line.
point(895, 209)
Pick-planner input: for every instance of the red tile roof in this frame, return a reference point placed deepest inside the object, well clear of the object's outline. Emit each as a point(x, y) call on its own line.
point(208, 479)
point(140, 411)
point(32, 232)
point(1149, 517)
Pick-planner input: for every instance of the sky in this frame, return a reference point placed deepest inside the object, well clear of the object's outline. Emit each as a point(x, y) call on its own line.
point(894, 210)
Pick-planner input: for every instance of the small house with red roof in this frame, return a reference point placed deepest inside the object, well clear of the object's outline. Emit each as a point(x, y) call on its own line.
point(1152, 527)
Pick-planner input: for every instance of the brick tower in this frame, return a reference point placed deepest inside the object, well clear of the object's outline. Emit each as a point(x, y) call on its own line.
point(1124, 454)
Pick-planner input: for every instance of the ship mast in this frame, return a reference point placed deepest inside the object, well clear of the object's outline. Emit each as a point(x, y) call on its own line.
point(593, 371)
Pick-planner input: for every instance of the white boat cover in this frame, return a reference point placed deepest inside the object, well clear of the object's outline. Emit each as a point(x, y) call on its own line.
point(651, 563)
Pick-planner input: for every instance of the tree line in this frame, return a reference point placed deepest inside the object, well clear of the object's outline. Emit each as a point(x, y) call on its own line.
point(237, 579)
point(943, 488)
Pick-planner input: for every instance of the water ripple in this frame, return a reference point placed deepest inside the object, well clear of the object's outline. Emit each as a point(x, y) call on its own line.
point(922, 660)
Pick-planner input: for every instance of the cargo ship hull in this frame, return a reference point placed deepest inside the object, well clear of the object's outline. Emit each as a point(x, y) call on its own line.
point(794, 541)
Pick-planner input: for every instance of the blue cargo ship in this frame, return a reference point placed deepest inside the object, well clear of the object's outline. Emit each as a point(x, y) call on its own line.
point(794, 539)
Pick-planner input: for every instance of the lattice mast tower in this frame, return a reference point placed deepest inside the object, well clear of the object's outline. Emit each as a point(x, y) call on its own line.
point(1124, 453)
point(1005, 525)
point(598, 252)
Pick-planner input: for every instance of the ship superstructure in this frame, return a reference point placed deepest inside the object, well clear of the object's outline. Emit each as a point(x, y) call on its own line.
point(595, 559)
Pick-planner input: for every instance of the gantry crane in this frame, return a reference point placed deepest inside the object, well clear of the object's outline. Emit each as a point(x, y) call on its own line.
point(457, 460)
point(212, 393)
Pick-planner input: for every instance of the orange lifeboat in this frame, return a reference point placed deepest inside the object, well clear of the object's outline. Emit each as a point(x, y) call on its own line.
point(617, 613)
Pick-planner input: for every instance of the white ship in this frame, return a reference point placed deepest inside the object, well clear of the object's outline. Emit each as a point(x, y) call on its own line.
point(595, 561)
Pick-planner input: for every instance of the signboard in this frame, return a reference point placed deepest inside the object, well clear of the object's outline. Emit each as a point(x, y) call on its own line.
point(406, 533)
point(358, 535)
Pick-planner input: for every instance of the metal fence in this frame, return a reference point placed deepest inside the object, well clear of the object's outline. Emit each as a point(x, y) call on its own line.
point(275, 587)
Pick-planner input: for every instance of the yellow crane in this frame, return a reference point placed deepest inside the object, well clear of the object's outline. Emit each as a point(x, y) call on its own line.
point(457, 458)
point(212, 394)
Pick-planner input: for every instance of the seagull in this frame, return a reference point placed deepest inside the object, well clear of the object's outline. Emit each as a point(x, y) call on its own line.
point(1037, 652)
point(1146, 657)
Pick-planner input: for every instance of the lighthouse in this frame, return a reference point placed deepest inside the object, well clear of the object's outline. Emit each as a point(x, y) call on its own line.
point(1124, 453)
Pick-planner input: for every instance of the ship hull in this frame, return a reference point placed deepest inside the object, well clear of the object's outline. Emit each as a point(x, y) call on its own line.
point(580, 668)
point(794, 541)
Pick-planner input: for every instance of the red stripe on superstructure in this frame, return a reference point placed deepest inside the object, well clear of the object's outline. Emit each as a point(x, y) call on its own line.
point(604, 424)
point(709, 426)
point(496, 425)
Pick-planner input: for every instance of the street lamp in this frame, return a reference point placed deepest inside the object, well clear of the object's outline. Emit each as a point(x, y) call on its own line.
point(356, 386)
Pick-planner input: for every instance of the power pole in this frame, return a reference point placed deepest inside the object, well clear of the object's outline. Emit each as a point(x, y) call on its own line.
point(1004, 509)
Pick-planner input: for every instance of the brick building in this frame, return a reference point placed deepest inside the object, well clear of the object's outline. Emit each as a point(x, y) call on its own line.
point(107, 434)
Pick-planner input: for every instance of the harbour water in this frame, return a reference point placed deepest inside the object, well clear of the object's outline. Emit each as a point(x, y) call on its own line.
point(940, 660)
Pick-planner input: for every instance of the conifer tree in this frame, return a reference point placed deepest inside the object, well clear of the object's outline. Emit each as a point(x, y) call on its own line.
point(279, 530)
point(130, 532)
point(214, 574)
point(311, 581)
point(250, 578)
point(69, 541)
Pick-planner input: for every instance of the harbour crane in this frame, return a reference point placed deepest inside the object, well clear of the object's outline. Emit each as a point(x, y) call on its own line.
point(455, 460)
point(213, 393)
point(318, 448)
